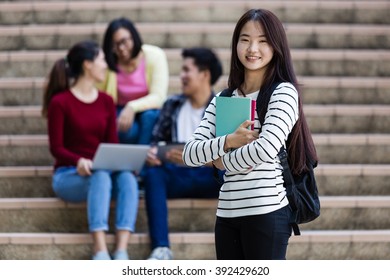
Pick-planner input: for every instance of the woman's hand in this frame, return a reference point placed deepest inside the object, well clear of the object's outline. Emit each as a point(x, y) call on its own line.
point(126, 118)
point(84, 167)
point(218, 164)
point(152, 159)
point(241, 136)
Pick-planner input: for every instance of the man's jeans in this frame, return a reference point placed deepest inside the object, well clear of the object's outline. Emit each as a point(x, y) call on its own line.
point(172, 181)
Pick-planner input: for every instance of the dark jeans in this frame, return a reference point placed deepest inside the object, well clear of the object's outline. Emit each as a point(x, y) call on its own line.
point(258, 237)
point(172, 181)
point(141, 130)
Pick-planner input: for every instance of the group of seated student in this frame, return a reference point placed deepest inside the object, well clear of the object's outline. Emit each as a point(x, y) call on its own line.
point(118, 94)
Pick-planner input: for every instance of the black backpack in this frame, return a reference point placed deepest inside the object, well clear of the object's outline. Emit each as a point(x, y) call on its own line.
point(302, 191)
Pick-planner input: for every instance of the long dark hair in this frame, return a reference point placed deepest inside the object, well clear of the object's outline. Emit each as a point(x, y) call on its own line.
point(108, 46)
point(68, 69)
point(280, 69)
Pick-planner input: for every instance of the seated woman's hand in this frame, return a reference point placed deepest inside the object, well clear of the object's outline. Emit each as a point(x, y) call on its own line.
point(152, 159)
point(84, 167)
point(241, 136)
point(126, 118)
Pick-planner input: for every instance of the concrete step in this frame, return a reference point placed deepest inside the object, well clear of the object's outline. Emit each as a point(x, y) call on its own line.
point(321, 118)
point(353, 179)
point(26, 181)
point(16, 150)
point(316, 90)
point(353, 148)
point(307, 62)
point(315, 245)
point(39, 12)
point(68, 217)
point(54, 215)
point(179, 34)
point(332, 180)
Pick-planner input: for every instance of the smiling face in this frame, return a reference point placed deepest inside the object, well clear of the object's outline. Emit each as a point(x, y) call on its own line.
point(253, 50)
point(192, 79)
point(123, 44)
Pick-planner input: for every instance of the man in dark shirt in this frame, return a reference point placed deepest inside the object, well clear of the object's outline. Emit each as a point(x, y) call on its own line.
point(179, 117)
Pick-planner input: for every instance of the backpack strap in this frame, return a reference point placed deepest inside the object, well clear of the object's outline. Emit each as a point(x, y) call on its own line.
point(227, 92)
point(289, 182)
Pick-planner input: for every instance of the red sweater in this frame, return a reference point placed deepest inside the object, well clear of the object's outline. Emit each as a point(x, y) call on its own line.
point(76, 128)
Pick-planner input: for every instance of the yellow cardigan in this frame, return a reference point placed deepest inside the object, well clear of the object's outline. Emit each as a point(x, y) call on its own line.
point(157, 79)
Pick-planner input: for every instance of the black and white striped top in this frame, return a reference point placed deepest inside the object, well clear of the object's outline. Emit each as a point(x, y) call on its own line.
point(253, 179)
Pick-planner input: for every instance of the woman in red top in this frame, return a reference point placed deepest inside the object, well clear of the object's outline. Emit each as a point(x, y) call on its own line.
point(80, 118)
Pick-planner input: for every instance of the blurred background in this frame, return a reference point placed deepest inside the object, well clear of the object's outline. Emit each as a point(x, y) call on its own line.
point(341, 53)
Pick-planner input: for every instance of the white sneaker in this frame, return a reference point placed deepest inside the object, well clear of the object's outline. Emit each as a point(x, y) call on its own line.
point(120, 255)
point(161, 253)
point(101, 256)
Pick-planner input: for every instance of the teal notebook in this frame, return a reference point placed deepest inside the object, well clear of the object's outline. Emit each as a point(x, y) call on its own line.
point(231, 112)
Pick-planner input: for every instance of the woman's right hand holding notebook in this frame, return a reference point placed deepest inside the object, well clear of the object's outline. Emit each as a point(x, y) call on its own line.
point(241, 136)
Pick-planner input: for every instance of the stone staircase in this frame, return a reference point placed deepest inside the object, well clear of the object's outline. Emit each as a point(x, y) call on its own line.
point(341, 54)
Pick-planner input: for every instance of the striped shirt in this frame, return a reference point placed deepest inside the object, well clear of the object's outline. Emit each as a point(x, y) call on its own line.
point(253, 180)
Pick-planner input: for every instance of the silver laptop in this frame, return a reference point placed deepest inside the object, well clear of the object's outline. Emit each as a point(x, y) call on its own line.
point(120, 157)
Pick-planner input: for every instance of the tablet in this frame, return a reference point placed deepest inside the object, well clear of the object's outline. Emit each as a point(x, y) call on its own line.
point(120, 157)
point(163, 148)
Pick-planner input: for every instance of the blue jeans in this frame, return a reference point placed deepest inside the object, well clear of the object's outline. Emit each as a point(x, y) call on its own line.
point(257, 237)
point(141, 130)
point(97, 190)
point(171, 181)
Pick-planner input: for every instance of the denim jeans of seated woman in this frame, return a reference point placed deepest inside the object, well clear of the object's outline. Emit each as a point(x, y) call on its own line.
point(172, 181)
point(141, 130)
point(98, 190)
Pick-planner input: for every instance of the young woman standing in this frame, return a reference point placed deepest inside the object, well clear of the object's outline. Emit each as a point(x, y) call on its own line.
point(253, 213)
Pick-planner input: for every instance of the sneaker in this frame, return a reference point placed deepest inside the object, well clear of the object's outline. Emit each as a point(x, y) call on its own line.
point(161, 253)
point(120, 255)
point(101, 256)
